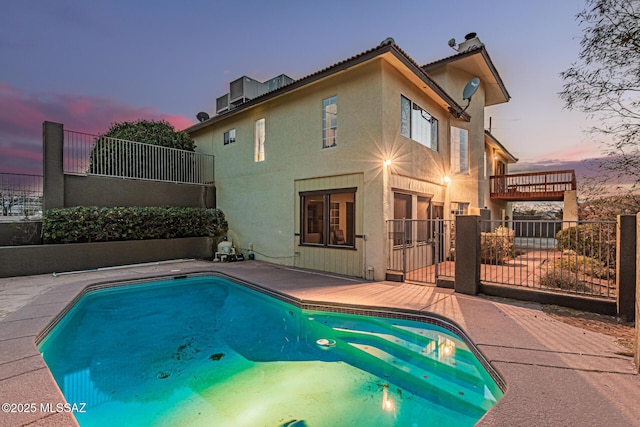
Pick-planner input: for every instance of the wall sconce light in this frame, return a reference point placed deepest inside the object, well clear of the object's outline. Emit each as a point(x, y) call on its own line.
point(387, 162)
point(446, 179)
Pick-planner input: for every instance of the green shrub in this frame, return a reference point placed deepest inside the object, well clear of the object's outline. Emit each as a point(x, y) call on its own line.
point(92, 224)
point(497, 247)
point(596, 241)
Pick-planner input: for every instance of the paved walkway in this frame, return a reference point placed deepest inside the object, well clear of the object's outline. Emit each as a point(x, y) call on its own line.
point(556, 374)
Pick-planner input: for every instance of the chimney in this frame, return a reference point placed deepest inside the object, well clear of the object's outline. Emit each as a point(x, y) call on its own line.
point(471, 41)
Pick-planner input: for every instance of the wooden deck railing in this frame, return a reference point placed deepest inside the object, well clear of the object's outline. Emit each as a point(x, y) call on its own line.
point(535, 186)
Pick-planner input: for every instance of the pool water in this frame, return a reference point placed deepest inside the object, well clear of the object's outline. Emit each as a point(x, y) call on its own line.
point(205, 351)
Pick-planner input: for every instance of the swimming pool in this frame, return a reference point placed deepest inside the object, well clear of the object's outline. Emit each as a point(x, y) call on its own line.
point(204, 350)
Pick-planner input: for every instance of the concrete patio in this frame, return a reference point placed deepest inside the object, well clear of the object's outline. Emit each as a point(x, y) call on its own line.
point(556, 374)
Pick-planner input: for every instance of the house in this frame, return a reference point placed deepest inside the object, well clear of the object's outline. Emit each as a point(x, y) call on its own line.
point(308, 171)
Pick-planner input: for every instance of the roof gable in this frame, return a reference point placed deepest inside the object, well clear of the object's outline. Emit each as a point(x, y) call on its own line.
point(476, 61)
point(492, 141)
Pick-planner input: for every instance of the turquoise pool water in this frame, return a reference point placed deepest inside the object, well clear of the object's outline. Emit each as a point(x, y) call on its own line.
point(205, 351)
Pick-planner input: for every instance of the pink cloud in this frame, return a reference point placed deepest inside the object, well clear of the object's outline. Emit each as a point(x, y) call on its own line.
point(22, 114)
point(580, 151)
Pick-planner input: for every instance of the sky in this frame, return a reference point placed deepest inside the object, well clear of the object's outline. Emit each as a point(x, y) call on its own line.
point(89, 63)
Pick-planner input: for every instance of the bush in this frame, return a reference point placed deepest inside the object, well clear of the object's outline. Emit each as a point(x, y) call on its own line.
point(152, 132)
point(92, 224)
point(571, 262)
point(111, 158)
point(497, 247)
point(597, 240)
point(564, 280)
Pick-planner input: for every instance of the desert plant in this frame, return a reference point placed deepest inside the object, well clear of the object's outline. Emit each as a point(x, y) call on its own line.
point(593, 240)
point(564, 280)
point(572, 262)
point(497, 247)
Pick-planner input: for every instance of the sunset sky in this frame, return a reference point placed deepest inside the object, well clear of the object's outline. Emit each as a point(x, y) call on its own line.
point(89, 63)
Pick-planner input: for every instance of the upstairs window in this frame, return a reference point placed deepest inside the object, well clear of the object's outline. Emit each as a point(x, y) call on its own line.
point(329, 122)
point(259, 140)
point(416, 123)
point(459, 150)
point(230, 137)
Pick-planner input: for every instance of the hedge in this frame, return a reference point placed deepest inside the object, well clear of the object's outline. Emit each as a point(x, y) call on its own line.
point(92, 224)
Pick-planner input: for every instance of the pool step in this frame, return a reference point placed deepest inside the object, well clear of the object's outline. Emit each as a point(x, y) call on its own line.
point(476, 394)
point(413, 361)
point(439, 356)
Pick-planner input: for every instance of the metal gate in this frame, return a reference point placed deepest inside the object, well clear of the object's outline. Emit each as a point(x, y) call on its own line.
point(421, 250)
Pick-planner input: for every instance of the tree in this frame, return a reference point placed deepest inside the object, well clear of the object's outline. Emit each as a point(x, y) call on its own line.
point(109, 157)
point(152, 132)
point(605, 83)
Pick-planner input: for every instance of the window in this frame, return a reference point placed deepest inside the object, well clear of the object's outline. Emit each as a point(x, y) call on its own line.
point(458, 208)
point(230, 137)
point(259, 140)
point(328, 217)
point(459, 150)
point(417, 124)
point(329, 122)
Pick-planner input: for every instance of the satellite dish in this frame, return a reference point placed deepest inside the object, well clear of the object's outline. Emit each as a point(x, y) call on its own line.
point(452, 43)
point(470, 88)
point(467, 93)
point(202, 116)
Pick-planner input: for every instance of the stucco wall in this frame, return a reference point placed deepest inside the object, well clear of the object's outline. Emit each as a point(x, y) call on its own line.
point(42, 259)
point(110, 192)
point(260, 199)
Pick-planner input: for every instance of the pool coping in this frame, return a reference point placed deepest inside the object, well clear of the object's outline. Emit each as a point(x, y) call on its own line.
point(360, 310)
point(26, 378)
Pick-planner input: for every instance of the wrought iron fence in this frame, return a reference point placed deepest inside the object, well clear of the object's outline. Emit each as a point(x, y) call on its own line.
point(579, 259)
point(86, 154)
point(422, 250)
point(20, 195)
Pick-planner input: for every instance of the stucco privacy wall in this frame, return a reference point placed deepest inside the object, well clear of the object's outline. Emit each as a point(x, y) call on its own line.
point(109, 192)
point(42, 259)
point(62, 190)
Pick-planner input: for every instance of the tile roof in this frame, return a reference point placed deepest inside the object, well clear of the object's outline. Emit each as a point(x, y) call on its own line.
point(387, 45)
point(495, 141)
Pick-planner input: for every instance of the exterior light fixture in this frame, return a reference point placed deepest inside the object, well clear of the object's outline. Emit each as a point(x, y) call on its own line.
point(446, 179)
point(387, 162)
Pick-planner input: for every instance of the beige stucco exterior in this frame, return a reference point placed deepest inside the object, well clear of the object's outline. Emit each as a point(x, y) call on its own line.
point(261, 200)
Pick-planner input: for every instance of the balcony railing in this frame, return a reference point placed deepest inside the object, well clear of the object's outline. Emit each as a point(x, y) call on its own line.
point(86, 154)
point(536, 186)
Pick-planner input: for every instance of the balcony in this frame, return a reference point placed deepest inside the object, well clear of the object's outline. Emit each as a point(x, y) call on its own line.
point(535, 186)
